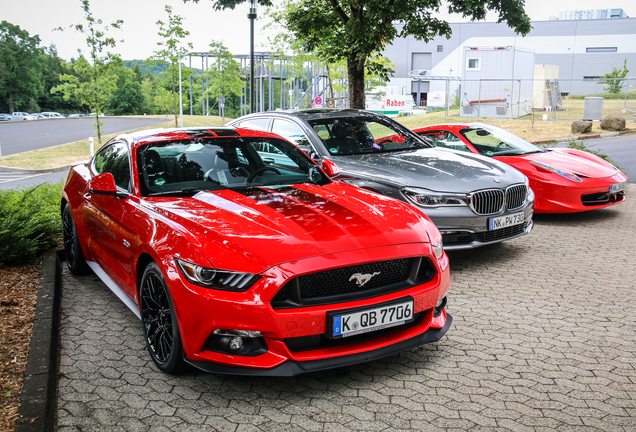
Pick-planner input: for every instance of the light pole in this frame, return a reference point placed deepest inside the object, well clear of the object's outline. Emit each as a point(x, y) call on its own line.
point(252, 16)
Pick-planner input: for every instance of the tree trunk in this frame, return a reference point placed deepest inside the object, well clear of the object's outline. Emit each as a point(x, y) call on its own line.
point(355, 72)
point(99, 131)
point(10, 101)
point(174, 102)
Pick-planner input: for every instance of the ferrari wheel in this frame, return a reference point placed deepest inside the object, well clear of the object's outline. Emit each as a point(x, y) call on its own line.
point(159, 319)
point(74, 256)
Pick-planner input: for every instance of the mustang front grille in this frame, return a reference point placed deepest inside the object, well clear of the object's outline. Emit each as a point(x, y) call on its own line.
point(354, 282)
point(492, 201)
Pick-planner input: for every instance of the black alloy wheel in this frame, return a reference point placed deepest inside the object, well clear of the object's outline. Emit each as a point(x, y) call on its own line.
point(74, 257)
point(161, 330)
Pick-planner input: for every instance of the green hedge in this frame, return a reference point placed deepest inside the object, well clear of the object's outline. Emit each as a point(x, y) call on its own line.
point(30, 223)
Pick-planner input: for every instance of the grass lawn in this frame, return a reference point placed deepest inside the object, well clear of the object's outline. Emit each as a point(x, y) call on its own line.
point(527, 128)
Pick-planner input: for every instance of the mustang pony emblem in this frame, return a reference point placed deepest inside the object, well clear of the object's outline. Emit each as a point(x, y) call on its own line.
point(362, 279)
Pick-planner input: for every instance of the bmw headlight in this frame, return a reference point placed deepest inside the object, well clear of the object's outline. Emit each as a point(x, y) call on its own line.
point(427, 198)
point(566, 174)
point(438, 250)
point(216, 279)
point(530, 195)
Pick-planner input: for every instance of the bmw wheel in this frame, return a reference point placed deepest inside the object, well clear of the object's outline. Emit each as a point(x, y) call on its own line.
point(161, 330)
point(74, 257)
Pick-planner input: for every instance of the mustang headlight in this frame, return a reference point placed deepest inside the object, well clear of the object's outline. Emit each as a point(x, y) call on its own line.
point(428, 198)
point(216, 279)
point(567, 174)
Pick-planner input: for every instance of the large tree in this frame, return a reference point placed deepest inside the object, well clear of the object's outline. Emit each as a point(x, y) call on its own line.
point(172, 49)
point(356, 30)
point(20, 68)
point(95, 80)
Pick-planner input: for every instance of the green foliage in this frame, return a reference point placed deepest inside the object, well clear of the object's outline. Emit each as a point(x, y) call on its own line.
point(30, 223)
point(95, 80)
point(224, 73)
point(355, 31)
point(614, 79)
point(128, 98)
point(147, 68)
point(172, 33)
point(20, 68)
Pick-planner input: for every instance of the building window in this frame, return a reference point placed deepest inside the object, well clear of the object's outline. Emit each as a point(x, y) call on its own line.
point(601, 49)
point(440, 48)
point(473, 63)
point(591, 78)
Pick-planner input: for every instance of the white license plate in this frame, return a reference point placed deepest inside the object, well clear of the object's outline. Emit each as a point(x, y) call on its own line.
point(618, 187)
point(372, 319)
point(506, 221)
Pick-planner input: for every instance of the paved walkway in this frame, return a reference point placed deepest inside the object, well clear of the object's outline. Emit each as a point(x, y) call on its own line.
point(543, 339)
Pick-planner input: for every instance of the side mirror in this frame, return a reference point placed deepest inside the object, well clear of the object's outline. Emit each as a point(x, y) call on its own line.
point(330, 168)
point(104, 184)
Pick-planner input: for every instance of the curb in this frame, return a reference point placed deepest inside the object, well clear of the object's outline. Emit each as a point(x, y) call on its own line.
point(584, 137)
point(35, 171)
point(38, 400)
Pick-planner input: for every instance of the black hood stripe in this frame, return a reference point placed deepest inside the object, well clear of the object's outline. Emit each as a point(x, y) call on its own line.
point(314, 214)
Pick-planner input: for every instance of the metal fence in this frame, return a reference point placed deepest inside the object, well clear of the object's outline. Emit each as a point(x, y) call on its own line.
point(553, 99)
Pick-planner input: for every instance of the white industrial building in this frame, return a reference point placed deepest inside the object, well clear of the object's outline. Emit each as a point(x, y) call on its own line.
point(581, 51)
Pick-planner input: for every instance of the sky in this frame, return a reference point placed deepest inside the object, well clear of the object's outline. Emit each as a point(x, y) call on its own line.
point(139, 31)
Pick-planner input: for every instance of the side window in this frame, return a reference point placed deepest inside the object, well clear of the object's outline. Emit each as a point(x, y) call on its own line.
point(256, 124)
point(114, 159)
point(293, 133)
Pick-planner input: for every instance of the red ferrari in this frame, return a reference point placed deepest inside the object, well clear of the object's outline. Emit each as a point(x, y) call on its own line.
point(241, 256)
point(564, 180)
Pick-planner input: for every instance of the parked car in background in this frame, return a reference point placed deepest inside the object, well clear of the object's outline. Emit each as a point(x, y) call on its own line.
point(38, 116)
point(76, 115)
point(6, 117)
point(472, 199)
point(240, 263)
point(20, 115)
point(50, 114)
point(564, 180)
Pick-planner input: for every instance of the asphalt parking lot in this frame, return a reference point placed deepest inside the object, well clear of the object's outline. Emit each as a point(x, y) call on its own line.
point(543, 339)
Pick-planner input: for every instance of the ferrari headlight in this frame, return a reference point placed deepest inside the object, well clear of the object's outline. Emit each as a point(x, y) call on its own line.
point(428, 198)
point(216, 279)
point(566, 174)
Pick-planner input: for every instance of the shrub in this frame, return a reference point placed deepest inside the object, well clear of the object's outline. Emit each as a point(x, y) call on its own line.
point(30, 223)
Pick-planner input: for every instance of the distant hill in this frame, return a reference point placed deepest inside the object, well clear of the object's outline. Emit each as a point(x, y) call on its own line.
point(156, 70)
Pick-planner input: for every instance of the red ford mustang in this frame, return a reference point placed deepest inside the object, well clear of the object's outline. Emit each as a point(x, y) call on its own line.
point(240, 255)
point(564, 180)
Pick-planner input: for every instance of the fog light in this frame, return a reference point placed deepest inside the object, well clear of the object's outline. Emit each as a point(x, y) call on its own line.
point(236, 343)
point(441, 304)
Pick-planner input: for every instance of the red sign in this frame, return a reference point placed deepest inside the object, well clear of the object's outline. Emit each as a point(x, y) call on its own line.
point(318, 100)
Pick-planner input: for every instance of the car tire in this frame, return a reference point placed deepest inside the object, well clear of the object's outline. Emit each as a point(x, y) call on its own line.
point(74, 256)
point(159, 320)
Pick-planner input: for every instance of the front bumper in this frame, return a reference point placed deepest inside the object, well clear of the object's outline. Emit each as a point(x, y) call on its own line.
point(461, 228)
point(297, 367)
point(201, 311)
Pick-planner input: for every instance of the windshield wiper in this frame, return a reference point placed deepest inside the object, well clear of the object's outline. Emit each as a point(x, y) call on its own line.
point(184, 191)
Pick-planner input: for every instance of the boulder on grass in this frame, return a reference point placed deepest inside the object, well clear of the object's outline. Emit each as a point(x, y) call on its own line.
point(579, 127)
point(613, 123)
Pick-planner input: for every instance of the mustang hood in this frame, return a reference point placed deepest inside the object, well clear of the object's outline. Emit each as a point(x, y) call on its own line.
point(571, 161)
point(252, 229)
point(436, 169)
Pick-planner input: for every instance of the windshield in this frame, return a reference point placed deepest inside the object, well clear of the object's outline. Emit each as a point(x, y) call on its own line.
point(189, 166)
point(493, 141)
point(363, 135)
